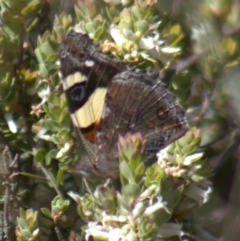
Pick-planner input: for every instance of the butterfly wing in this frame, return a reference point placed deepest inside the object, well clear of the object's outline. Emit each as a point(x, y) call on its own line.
point(107, 100)
point(86, 73)
point(136, 102)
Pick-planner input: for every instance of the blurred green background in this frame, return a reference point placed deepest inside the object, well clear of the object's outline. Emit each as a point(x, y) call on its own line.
point(34, 121)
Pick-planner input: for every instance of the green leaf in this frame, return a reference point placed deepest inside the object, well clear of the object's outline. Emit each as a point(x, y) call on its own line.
point(46, 221)
point(125, 173)
point(123, 203)
point(43, 70)
point(52, 125)
point(131, 191)
point(64, 119)
point(46, 212)
point(60, 175)
point(40, 155)
point(52, 57)
point(53, 153)
point(63, 133)
point(32, 8)
point(189, 149)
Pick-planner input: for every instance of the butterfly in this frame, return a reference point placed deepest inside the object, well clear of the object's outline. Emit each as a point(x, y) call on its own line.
point(107, 99)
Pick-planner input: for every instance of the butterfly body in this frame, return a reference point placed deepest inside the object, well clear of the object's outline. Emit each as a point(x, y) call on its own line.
point(107, 99)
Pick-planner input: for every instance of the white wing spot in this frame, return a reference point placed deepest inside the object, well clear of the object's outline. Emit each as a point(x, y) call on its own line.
point(89, 63)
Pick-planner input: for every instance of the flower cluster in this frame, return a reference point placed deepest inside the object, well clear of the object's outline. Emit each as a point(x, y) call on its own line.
point(152, 202)
point(135, 34)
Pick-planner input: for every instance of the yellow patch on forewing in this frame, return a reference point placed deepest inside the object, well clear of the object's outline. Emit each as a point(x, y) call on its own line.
point(73, 79)
point(91, 111)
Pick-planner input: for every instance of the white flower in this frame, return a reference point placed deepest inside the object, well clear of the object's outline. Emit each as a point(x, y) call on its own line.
point(162, 154)
point(170, 50)
point(116, 235)
point(78, 29)
point(41, 133)
point(160, 204)
point(129, 35)
point(125, 2)
point(151, 42)
point(198, 194)
point(63, 150)
point(11, 124)
point(97, 231)
point(192, 158)
point(113, 218)
point(117, 36)
point(35, 233)
point(45, 137)
point(75, 196)
point(114, 2)
point(43, 93)
point(122, 38)
point(148, 192)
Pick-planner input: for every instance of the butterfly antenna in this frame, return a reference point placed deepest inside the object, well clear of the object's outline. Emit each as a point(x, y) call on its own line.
point(63, 3)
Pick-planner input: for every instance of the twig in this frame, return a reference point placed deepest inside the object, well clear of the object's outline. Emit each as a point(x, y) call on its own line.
point(231, 32)
point(59, 233)
point(7, 170)
point(51, 180)
point(228, 152)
